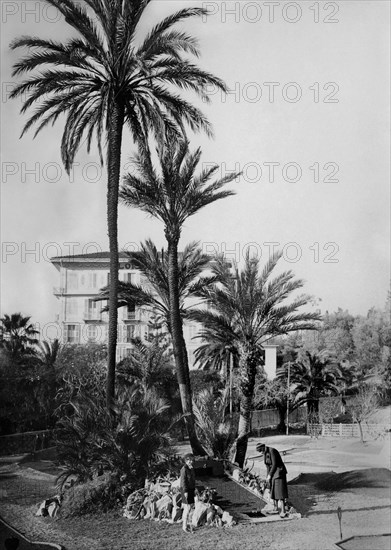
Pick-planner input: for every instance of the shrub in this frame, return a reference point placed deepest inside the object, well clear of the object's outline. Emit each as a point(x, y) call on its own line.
point(97, 495)
point(216, 431)
point(134, 445)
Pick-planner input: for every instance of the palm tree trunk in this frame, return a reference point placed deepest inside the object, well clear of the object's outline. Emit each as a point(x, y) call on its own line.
point(282, 410)
point(248, 367)
point(178, 342)
point(113, 174)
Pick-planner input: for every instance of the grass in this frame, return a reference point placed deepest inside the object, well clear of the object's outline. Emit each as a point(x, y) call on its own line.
point(362, 494)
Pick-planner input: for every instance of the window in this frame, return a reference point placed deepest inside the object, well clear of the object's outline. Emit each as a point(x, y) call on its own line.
point(92, 333)
point(72, 334)
point(129, 333)
point(72, 280)
point(130, 278)
point(92, 279)
point(92, 310)
point(130, 312)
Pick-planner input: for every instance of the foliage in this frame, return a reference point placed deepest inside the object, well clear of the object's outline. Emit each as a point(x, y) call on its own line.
point(274, 394)
point(150, 367)
point(330, 409)
point(315, 376)
point(246, 309)
point(80, 371)
point(217, 432)
point(17, 336)
point(203, 380)
point(27, 378)
point(93, 496)
point(136, 446)
point(171, 187)
point(363, 405)
point(154, 268)
point(106, 77)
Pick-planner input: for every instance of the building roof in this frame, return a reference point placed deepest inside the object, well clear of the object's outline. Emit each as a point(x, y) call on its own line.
point(92, 260)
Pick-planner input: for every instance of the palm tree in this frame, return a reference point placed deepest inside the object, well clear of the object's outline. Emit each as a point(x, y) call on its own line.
point(17, 335)
point(154, 267)
point(314, 377)
point(104, 79)
point(48, 352)
point(216, 430)
point(218, 352)
point(172, 192)
point(249, 308)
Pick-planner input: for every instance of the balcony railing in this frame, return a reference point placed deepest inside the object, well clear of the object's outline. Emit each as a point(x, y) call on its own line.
point(92, 315)
point(130, 316)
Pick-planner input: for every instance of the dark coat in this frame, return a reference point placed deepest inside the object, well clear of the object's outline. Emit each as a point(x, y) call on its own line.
point(187, 484)
point(274, 463)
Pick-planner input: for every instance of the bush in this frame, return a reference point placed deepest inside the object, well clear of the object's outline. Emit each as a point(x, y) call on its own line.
point(130, 447)
point(97, 495)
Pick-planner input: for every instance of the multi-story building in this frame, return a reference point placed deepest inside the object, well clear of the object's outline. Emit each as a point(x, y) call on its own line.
point(81, 318)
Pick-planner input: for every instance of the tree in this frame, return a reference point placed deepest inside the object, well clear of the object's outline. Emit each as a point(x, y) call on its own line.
point(315, 376)
point(17, 335)
point(216, 430)
point(275, 394)
point(104, 79)
point(149, 367)
point(154, 268)
point(371, 336)
point(363, 405)
point(171, 191)
point(249, 308)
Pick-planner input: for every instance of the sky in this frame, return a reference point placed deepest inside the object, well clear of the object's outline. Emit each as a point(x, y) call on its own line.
point(306, 120)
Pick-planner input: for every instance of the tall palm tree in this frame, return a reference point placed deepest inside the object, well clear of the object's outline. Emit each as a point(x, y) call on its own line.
point(249, 308)
point(172, 191)
point(104, 79)
point(316, 376)
point(155, 268)
point(218, 352)
point(153, 293)
point(18, 335)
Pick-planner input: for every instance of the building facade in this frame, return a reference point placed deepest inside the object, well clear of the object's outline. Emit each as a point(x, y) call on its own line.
point(80, 318)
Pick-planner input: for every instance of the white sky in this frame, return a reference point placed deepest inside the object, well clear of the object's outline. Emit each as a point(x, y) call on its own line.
point(330, 112)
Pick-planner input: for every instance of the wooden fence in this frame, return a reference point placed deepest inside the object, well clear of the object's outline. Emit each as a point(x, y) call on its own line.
point(348, 430)
point(270, 417)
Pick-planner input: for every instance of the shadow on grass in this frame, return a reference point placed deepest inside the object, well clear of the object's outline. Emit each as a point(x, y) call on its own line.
point(334, 511)
point(304, 490)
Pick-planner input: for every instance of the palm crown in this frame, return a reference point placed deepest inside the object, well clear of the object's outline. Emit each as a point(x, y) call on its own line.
point(172, 191)
point(153, 266)
point(248, 307)
point(86, 75)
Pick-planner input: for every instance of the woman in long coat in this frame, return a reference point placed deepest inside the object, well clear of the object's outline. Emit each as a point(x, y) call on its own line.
point(276, 476)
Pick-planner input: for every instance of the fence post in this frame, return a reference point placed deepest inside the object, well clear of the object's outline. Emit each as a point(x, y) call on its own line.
point(340, 430)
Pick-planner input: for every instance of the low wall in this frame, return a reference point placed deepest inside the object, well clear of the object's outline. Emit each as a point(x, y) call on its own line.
point(27, 442)
point(348, 430)
point(269, 417)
